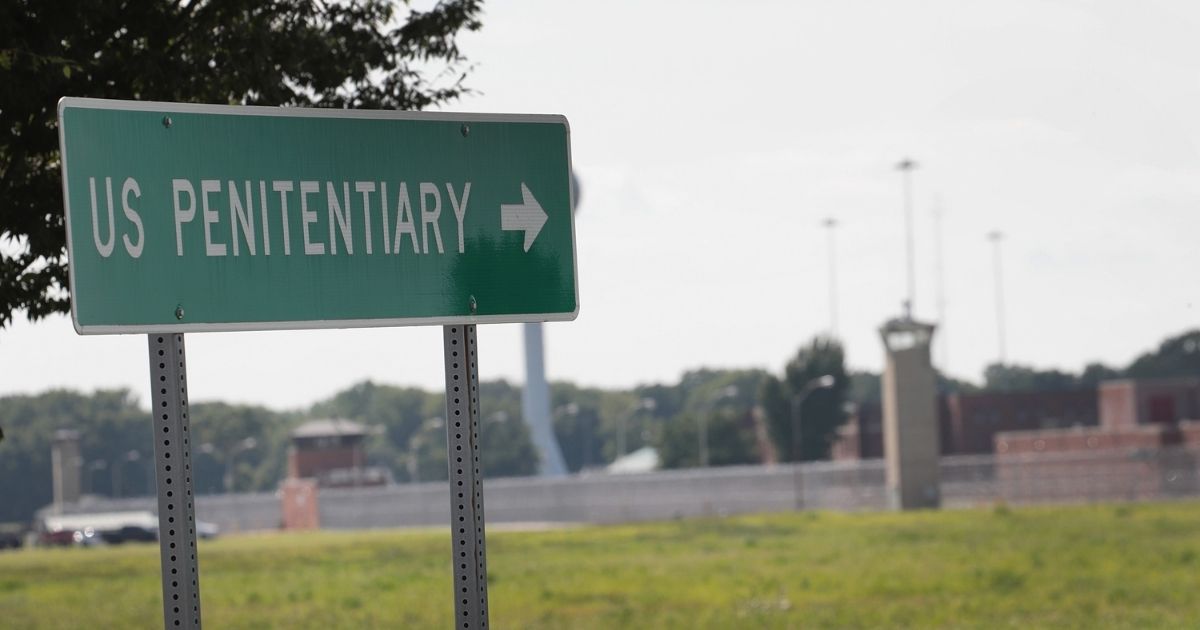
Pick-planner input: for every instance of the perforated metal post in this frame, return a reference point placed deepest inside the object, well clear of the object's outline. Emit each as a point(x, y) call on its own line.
point(173, 478)
point(466, 479)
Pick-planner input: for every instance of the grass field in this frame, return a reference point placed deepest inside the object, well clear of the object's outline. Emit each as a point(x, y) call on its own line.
point(1059, 567)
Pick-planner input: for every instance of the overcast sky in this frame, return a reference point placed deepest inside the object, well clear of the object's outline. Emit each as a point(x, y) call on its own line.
point(711, 139)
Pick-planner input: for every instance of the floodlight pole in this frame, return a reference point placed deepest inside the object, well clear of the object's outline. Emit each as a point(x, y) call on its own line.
point(173, 480)
point(943, 342)
point(466, 477)
point(906, 167)
point(821, 382)
point(996, 237)
point(829, 224)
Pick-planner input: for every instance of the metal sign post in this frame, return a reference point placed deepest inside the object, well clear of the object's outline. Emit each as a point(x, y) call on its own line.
point(466, 477)
point(173, 478)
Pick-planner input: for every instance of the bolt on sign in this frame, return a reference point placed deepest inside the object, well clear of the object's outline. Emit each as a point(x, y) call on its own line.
point(188, 218)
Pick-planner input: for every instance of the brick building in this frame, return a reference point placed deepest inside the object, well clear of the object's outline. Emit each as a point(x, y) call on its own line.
point(1147, 442)
point(968, 423)
point(971, 421)
point(1143, 414)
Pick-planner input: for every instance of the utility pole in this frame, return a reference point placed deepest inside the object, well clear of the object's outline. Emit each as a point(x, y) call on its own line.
point(829, 224)
point(996, 236)
point(906, 167)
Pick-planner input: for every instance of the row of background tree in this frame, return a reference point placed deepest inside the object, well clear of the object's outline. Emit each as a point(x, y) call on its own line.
point(592, 425)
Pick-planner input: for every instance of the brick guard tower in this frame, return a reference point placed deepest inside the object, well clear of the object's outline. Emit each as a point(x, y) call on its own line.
point(326, 453)
point(332, 452)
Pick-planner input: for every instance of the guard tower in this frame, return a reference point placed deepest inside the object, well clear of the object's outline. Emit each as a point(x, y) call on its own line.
point(910, 420)
point(65, 468)
point(333, 452)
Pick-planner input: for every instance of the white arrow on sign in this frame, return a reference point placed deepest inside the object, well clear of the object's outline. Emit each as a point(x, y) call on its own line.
point(526, 216)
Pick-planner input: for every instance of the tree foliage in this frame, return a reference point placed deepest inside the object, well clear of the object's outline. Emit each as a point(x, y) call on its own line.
point(247, 441)
point(362, 54)
point(731, 439)
point(408, 434)
point(583, 430)
point(865, 387)
point(1013, 377)
point(116, 444)
point(821, 412)
point(1176, 356)
point(409, 430)
point(115, 427)
point(589, 421)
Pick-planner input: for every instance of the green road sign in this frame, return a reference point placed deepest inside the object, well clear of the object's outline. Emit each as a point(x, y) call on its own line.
point(195, 217)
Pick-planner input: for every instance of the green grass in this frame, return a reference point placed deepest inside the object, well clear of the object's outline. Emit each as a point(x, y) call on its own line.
point(1056, 567)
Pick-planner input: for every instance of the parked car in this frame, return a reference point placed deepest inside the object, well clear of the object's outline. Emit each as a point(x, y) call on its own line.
point(207, 530)
point(130, 533)
point(86, 537)
point(11, 535)
point(57, 538)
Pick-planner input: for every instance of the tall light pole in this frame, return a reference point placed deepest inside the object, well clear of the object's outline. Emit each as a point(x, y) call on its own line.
point(940, 276)
point(729, 391)
point(118, 473)
point(418, 440)
point(572, 410)
point(240, 446)
point(829, 224)
point(92, 467)
point(906, 167)
point(821, 382)
point(646, 404)
point(996, 236)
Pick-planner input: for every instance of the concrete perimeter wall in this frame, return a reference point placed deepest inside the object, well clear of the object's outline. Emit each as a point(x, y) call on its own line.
point(1112, 475)
point(618, 498)
point(231, 512)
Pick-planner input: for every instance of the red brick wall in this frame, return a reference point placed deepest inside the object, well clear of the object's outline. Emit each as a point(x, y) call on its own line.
point(1083, 439)
point(1189, 431)
point(1118, 405)
point(1079, 464)
point(299, 504)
